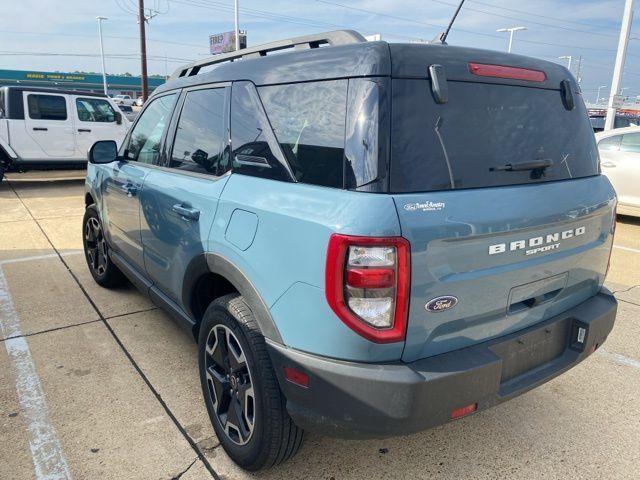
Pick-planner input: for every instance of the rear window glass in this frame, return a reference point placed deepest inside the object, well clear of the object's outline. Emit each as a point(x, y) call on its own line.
point(630, 143)
point(309, 122)
point(483, 136)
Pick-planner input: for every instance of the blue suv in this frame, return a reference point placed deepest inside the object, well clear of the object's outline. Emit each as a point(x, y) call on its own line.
point(365, 239)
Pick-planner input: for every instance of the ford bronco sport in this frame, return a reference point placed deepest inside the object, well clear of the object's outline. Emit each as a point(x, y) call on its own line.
point(365, 239)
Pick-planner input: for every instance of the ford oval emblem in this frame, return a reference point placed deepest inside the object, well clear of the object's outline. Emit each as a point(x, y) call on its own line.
point(440, 304)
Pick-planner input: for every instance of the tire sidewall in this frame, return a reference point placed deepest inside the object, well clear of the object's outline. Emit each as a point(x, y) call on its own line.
point(248, 454)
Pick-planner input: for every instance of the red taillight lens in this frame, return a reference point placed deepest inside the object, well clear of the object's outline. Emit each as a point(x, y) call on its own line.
point(296, 376)
point(463, 411)
point(613, 235)
point(500, 71)
point(367, 285)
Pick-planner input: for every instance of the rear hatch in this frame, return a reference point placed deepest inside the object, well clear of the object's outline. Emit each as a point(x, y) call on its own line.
point(499, 193)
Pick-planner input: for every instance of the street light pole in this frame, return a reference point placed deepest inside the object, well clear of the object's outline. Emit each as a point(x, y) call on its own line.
point(104, 75)
point(511, 31)
point(598, 96)
point(627, 16)
point(237, 27)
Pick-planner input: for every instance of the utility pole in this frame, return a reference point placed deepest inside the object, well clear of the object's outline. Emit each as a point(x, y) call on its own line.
point(511, 31)
point(237, 26)
point(627, 16)
point(143, 51)
point(104, 75)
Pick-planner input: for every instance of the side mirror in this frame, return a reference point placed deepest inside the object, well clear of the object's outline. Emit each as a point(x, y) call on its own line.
point(104, 151)
point(118, 118)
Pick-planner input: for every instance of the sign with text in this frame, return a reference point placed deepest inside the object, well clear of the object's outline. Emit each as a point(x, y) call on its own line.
point(226, 42)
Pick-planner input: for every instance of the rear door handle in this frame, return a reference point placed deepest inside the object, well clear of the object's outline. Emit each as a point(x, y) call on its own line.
point(608, 164)
point(84, 129)
point(185, 212)
point(40, 129)
point(130, 190)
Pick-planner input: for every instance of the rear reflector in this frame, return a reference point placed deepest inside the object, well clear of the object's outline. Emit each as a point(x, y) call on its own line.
point(463, 411)
point(500, 71)
point(296, 376)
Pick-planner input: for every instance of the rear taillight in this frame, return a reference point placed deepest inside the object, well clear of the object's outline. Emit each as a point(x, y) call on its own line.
point(501, 71)
point(367, 285)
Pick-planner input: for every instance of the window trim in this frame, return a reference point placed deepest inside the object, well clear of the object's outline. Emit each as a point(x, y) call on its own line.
point(36, 94)
point(125, 143)
point(75, 103)
point(175, 119)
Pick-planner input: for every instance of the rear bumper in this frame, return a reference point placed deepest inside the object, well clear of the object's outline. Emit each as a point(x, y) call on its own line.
point(356, 400)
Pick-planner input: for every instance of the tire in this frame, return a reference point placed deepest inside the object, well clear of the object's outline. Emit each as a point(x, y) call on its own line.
point(266, 435)
point(96, 251)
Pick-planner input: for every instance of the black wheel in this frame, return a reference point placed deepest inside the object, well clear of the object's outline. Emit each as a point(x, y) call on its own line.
point(240, 388)
point(96, 251)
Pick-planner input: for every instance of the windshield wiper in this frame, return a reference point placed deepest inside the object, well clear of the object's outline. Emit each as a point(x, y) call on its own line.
point(523, 166)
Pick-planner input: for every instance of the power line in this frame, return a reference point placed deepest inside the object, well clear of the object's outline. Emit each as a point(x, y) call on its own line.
point(531, 22)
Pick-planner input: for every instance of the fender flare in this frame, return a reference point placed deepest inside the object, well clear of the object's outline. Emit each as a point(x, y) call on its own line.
point(214, 263)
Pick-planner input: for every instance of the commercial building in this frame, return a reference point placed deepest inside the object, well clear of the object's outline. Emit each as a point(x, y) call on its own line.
point(116, 84)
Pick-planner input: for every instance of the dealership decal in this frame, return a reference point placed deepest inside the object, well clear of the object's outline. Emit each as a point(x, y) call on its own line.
point(427, 206)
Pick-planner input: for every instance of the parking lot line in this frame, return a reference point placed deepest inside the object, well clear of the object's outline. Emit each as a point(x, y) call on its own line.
point(48, 460)
point(627, 249)
point(37, 257)
point(621, 359)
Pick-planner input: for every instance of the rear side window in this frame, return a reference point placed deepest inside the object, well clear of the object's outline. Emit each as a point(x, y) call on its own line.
point(47, 107)
point(309, 122)
point(471, 140)
point(255, 148)
point(95, 110)
point(610, 143)
point(630, 143)
point(200, 134)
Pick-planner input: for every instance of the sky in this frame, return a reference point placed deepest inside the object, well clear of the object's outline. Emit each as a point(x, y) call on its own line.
point(61, 35)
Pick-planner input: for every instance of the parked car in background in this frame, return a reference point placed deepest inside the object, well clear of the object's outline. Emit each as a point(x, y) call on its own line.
point(620, 161)
point(621, 121)
point(44, 128)
point(124, 100)
point(128, 112)
point(354, 252)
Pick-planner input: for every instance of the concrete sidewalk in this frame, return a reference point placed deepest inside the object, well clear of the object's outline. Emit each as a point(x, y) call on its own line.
point(99, 384)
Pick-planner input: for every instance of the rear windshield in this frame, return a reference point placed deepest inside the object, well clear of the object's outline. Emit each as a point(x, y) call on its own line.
point(486, 135)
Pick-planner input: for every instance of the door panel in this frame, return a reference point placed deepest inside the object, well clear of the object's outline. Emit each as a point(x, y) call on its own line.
point(124, 179)
point(48, 128)
point(121, 209)
point(95, 119)
point(177, 214)
point(179, 202)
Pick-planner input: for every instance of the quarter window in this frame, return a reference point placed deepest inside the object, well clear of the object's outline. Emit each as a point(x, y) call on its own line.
point(255, 148)
point(630, 143)
point(610, 143)
point(47, 107)
point(95, 110)
point(309, 122)
point(145, 141)
point(200, 133)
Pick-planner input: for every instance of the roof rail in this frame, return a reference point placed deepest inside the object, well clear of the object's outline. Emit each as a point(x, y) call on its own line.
point(336, 37)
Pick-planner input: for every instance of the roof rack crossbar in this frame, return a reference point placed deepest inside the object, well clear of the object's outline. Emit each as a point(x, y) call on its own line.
point(337, 37)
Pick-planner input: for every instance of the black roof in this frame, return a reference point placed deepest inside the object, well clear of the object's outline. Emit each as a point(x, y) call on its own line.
point(367, 59)
point(20, 88)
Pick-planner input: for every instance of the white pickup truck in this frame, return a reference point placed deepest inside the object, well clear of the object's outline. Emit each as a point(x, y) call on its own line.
point(43, 128)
